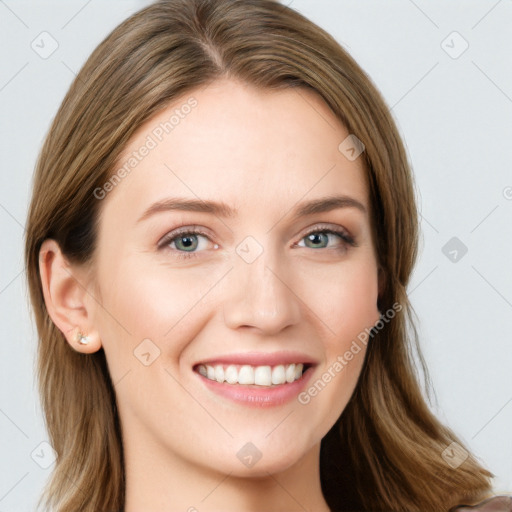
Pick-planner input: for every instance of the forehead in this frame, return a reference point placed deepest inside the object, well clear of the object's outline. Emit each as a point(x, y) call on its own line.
point(244, 145)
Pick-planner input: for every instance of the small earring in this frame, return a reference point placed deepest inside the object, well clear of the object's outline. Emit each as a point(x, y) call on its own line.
point(80, 338)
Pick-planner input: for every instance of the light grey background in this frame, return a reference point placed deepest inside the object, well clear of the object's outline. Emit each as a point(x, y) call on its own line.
point(454, 111)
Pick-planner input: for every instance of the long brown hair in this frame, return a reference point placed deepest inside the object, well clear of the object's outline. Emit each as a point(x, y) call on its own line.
point(385, 450)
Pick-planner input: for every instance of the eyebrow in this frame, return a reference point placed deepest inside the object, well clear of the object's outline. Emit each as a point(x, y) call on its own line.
point(220, 209)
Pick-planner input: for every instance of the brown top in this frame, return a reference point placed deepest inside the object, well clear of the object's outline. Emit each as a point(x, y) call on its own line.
point(495, 504)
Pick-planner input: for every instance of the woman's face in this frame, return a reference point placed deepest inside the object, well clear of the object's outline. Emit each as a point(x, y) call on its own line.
point(265, 281)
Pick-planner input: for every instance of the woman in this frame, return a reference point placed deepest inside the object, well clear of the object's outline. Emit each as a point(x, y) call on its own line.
point(198, 349)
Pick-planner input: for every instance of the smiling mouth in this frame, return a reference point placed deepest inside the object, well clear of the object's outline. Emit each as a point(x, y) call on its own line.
point(254, 376)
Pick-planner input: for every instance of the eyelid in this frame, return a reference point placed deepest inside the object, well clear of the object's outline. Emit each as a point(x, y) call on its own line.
point(333, 228)
point(174, 233)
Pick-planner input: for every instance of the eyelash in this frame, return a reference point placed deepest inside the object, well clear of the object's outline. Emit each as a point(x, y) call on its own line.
point(181, 232)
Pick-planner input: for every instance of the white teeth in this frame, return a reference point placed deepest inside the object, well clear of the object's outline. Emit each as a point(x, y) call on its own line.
point(278, 375)
point(290, 373)
point(247, 374)
point(219, 373)
point(263, 376)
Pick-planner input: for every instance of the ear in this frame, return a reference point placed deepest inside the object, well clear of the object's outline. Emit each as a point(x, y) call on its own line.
point(68, 298)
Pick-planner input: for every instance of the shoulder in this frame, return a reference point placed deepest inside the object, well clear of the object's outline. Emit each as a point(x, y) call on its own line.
point(494, 504)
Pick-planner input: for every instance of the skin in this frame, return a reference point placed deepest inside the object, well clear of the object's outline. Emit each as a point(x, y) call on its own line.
point(262, 153)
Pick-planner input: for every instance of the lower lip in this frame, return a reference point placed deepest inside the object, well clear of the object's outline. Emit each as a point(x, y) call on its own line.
point(259, 396)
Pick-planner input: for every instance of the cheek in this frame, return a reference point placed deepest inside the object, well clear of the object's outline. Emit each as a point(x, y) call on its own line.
point(150, 300)
point(345, 312)
point(344, 300)
point(144, 300)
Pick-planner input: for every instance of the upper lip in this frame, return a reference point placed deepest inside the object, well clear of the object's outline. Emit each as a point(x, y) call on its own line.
point(260, 359)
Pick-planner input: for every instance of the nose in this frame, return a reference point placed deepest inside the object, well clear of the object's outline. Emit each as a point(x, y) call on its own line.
point(261, 296)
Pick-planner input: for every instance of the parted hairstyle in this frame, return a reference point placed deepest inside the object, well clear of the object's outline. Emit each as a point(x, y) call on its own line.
point(385, 450)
